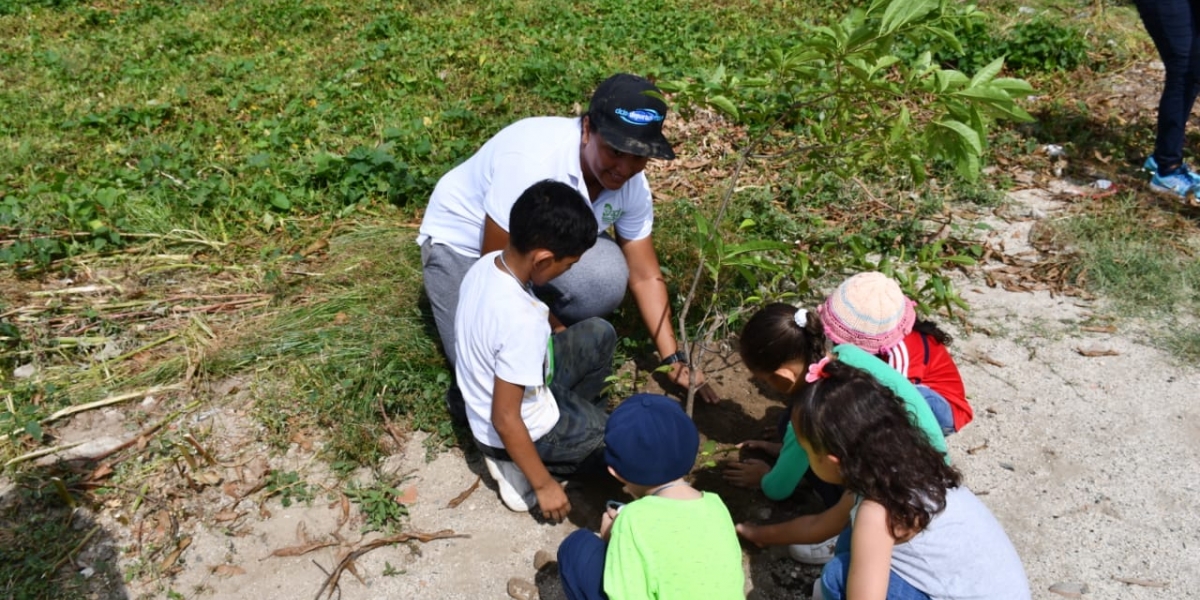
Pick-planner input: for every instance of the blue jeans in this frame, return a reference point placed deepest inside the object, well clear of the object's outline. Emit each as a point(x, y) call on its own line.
point(581, 566)
point(1172, 24)
point(593, 287)
point(940, 407)
point(583, 355)
point(834, 574)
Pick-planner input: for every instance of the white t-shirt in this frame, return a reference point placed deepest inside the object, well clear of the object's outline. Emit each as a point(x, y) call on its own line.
point(520, 155)
point(502, 331)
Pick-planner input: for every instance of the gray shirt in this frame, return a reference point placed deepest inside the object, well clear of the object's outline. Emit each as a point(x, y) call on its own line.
point(962, 554)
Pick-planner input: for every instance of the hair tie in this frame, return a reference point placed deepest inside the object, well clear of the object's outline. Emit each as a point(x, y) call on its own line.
point(801, 317)
point(817, 370)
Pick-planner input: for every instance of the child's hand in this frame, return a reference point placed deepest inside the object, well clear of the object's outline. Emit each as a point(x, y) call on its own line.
point(606, 522)
point(747, 473)
point(749, 533)
point(552, 500)
point(772, 448)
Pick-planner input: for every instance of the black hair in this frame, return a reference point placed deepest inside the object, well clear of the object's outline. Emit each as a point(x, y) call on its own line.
point(883, 456)
point(771, 338)
point(553, 216)
point(931, 329)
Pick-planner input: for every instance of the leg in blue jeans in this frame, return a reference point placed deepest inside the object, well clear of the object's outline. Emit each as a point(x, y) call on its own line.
point(1172, 24)
point(940, 407)
point(833, 576)
point(581, 566)
point(594, 287)
point(582, 362)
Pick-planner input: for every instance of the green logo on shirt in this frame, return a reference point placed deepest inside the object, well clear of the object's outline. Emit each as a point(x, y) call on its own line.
point(611, 214)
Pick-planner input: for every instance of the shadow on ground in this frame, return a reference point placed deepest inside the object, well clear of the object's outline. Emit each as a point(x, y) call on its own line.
point(51, 545)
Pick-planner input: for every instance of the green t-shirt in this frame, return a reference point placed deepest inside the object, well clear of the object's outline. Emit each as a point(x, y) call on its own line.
point(783, 478)
point(664, 548)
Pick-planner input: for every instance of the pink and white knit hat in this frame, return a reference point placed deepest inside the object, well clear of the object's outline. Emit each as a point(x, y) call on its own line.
point(869, 311)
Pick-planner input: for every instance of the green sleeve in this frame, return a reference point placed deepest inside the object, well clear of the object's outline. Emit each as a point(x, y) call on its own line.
point(783, 478)
point(918, 408)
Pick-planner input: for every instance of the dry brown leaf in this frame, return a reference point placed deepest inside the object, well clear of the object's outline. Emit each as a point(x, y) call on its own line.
point(100, 473)
point(226, 515)
point(171, 558)
point(1100, 329)
point(341, 318)
point(1141, 582)
point(302, 549)
point(466, 494)
point(208, 478)
point(228, 570)
point(1091, 352)
point(231, 489)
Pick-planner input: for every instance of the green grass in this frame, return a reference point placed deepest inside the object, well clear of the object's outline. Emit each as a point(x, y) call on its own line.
point(1147, 264)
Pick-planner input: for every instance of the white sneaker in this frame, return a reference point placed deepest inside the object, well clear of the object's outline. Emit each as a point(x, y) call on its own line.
point(813, 554)
point(515, 490)
point(818, 590)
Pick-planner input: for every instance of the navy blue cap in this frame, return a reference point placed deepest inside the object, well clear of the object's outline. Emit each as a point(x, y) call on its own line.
point(649, 440)
point(628, 112)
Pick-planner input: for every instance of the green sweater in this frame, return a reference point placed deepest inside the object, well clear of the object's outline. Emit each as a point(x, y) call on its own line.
point(783, 478)
point(664, 548)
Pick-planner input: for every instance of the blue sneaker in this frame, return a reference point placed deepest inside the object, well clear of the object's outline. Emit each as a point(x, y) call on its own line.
point(1151, 166)
point(1180, 183)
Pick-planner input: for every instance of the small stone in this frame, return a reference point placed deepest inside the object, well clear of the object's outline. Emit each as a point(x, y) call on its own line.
point(542, 558)
point(1069, 590)
point(1007, 466)
point(522, 589)
point(25, 371)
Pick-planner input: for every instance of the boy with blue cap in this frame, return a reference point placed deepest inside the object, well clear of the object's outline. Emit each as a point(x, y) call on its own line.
point(672, 541)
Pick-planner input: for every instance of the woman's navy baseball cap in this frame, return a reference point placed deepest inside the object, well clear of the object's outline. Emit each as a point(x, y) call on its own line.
point(628, 112)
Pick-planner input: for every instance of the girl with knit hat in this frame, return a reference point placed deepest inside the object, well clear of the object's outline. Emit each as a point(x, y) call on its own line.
point(779, 345)
point(870, 311)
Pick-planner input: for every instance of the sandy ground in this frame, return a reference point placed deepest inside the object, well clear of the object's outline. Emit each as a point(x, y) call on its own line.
point(1088, 461)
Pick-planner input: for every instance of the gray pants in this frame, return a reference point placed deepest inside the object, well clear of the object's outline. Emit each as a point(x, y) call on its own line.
point(594, 287)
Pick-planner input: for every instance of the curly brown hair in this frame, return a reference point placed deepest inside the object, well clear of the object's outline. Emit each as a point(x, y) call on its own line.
point(883, 456)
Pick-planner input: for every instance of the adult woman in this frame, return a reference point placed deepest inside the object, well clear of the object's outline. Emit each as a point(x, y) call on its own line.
point(601, 154)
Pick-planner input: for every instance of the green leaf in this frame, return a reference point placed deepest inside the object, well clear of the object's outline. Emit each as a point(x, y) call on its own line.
point(280, 200)
point(946, 36)
point(34, 429)
point(964, 132)
point(902, 12)
point(987, 73)
point(724, 105)
point(900, 127)
point(1014, 87)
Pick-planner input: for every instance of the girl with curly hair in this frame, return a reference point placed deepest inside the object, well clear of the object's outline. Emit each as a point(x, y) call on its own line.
point(915, 531)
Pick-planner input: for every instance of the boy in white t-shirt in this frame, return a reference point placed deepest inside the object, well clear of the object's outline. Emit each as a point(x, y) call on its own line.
point(533, 397)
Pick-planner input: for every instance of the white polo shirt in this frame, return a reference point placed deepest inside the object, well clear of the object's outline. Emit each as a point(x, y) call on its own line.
point(520, 155)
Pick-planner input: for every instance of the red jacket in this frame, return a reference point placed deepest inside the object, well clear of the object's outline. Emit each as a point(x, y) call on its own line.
point(925, 361)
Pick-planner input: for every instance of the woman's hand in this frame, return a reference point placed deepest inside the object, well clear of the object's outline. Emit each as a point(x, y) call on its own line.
point(747, 473)
point(684, 376)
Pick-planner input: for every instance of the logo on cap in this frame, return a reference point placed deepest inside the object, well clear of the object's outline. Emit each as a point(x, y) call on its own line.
point(640, 116)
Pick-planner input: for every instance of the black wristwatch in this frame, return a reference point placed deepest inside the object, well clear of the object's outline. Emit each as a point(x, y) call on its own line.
point(679, 356)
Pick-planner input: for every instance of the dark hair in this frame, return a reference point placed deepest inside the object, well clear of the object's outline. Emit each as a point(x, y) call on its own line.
point(931, 329)
point(553, 216)
point(771, 338)
point(883, 456)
